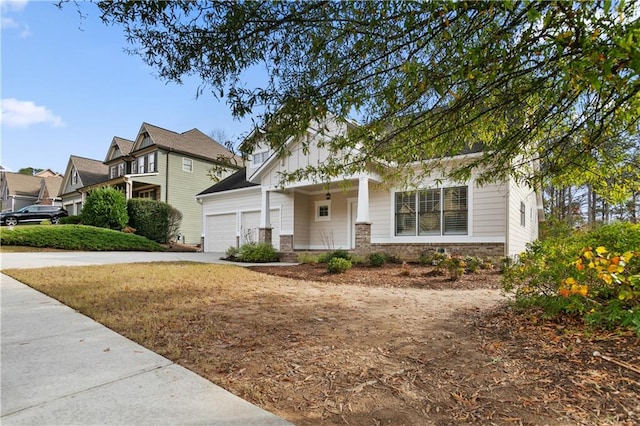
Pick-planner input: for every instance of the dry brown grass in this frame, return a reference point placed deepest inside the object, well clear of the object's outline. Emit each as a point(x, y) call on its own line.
point(338, 353)
point(144, 300)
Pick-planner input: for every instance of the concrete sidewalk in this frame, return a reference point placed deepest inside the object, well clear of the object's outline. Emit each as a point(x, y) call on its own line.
point(60, 367)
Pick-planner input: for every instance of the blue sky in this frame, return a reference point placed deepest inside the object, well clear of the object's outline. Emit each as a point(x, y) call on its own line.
point(68, 88)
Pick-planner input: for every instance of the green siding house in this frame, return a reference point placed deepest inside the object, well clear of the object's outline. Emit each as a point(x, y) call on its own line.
point(167, 166)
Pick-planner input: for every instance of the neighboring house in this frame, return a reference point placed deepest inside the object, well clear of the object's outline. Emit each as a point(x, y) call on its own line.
point(161, 165)
point(364, 213)
point(80, 173)
point(19, 190)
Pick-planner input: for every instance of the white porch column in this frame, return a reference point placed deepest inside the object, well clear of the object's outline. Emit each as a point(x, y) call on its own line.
point(363, 200)
point(265, 210)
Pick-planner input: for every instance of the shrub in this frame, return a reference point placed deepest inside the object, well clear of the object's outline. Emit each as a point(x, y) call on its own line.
point(473, 264)
point(70, 220)
point(455, 266)
point(338, 265)
point(231, 253)
point(594, 275)
point(105, 207)
point(76, 237)
point(257, 253)
point(376, 260)
point(340, 254)
point(153, 219)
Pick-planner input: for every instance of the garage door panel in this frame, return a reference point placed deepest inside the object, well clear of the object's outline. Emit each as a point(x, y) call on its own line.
point(221, 232)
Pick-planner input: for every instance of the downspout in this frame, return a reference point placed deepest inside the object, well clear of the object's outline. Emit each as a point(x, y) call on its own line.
point(166, 180)
point(508, 219)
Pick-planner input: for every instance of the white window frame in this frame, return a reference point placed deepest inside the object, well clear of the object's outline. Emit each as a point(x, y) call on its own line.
point(141, 164)
point(74, 176)
point(151, 162)
point(415, 205)
point(318, 206)
point(121, 170)
point(260, 157)
point(112, 172)
point(187, 164)
point(523, 214)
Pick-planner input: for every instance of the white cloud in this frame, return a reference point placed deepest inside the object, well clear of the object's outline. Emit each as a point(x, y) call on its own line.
point(8, 23)
point(16, 113)
point(13, 5)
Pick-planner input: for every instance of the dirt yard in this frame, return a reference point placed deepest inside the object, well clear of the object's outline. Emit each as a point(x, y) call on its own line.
point(375, 346)
point(390, 346)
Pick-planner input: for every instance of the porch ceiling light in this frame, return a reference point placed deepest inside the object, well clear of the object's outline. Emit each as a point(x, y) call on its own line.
point(327, 196)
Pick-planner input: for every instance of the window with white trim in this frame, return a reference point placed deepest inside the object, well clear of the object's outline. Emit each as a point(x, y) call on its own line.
point(151, 162)
point(74, 176)
point(260, 157)
point(141, 164)
point(323, 210)
point(440, 211)
point(149, 193)
point(187, 164)
point(112, 172)
point(523, 214)
point(121, 169)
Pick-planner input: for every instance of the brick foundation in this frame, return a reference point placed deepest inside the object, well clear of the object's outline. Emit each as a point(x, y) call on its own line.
point(265, 235)
point(286, 243)
point(411, 252)
point(363, 238)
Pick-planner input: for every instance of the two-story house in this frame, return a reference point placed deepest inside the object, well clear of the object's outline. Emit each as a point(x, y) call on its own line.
point(162, 165)
point(364, 212)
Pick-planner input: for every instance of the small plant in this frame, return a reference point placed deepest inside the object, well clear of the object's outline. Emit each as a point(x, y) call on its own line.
point(405, 271)
point(424, 260)
point(390, 258)
point(231, 253)
point(487, 264)
point(45, 222)
point(455, 266)
point(338, 265)
point(473, 264)
point(341, 254)
point(376, 260)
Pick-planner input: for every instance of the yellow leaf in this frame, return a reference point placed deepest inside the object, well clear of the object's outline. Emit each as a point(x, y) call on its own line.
point(570, 281)
point(601, 250)
point(588, 254)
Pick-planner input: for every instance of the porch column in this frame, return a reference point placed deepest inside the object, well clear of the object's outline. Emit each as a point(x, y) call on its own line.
point(363, 201)
point(363, 222)
point(264, 232)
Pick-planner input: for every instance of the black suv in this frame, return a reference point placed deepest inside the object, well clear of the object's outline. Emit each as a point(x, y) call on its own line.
point(35, 213)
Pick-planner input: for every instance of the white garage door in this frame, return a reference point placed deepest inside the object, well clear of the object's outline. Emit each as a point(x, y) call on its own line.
point(221, 232)
point(250, 224)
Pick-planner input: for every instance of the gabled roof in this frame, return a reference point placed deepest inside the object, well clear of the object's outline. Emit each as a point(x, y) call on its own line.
point(192, 142)
point(235, 181)
point(120, 147)
point(52, 186)
point(25, 185)
point(90, 171)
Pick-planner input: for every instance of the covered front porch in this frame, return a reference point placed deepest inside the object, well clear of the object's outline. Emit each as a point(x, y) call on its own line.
point(334, 215)
point(132, 186)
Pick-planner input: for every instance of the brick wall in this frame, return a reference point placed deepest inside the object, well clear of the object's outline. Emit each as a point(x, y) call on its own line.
point(412, 251)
